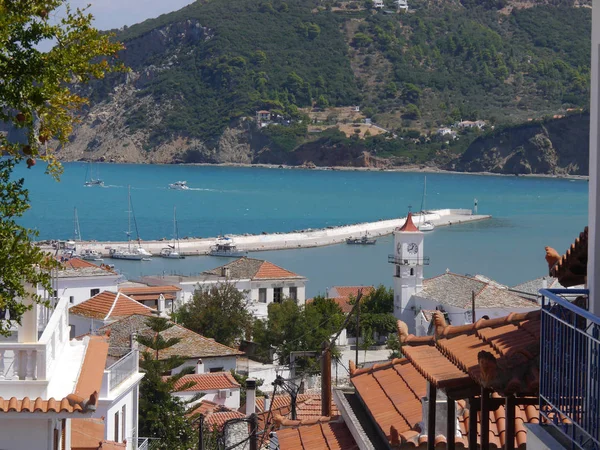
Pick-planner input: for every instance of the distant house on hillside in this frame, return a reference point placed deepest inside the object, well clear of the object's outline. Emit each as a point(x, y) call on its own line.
point(263, 118)
point(402, 5)
point(471, 124)
point(378, 4)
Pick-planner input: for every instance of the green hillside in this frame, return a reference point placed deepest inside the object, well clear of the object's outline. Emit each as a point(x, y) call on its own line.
point(213, 64)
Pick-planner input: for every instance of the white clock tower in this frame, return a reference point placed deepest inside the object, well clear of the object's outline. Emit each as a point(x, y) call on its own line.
point(408, 261)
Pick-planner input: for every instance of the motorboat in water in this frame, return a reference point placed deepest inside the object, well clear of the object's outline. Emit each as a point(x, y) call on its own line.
point(131, 252)
point(179, 186)
point(84, 253)
point(364, 240)
point(225, 246)
point(173, 251)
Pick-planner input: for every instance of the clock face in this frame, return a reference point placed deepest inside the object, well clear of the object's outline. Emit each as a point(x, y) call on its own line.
point(412, 248)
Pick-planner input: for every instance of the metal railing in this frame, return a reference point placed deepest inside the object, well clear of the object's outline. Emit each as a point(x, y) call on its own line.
point(570, 367)
point(123, 369)
point(408, 261)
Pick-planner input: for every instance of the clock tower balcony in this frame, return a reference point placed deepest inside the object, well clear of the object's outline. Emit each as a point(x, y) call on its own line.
point(408, 260)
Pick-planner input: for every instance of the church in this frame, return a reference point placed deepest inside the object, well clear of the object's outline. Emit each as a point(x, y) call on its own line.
point(463, 299)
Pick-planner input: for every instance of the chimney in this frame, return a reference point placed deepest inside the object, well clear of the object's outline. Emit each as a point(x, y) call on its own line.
point(160, 306)
point(326, 381)
point(199, 367)
point(133, 342)
point(544, 283)
point(250, 396)
point(225, 272)
point(267, 402)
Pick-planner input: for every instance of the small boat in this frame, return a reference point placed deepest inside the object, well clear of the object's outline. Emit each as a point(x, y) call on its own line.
point(173, 251)
point(424, 225)
point(90, 255)
point(179, 186)
point(225, 246)
point(85, 253)
point(91, 181)
point(132, 253)
point(365, 240)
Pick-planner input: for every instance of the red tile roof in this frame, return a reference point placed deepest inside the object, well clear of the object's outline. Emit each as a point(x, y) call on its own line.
point(320, 436)
point(507, 346)
point(254, 269)
point(271, 271)
point(308, 406)
point(392, 393)
point(109, 305)
point(352, 291)
point(215, 415)
point(207, 382)
point(408, 225)
point(76, 263)
point(85, 396)
point(150, 290)
point(570, 268)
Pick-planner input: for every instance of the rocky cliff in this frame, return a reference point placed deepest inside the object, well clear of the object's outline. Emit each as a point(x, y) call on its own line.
point(558, 146)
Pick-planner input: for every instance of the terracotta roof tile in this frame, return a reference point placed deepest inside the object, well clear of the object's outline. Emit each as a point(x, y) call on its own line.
point(409, 225)
point(76, 263)
point(254, 269)
point(352, 291)
point(392, 394)
point(207, 382)
point(215, 415)
point(571, 267)
point(191, 345)
point(453, 357)
point(320, 436)
point(109, 305)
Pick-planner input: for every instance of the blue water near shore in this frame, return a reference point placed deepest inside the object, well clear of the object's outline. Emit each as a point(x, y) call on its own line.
point(529, 213)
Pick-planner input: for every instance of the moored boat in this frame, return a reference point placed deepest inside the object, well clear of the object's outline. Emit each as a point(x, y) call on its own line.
point(225, 246)
point(364, 240)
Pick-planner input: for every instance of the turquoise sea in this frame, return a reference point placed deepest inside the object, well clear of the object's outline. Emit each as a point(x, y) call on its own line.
point(528, 214)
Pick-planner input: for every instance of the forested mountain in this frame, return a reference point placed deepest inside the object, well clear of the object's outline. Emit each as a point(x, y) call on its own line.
point(200, 74)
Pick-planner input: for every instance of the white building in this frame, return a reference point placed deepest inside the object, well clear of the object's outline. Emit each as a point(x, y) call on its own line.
point(402, 5)
point(64, 393)
point(262, 282)
point(378, 4)
point(102, 309)
point(163, 299)
point(78, 280)
point(453, 294)
point(216, 387)
point(191, 346)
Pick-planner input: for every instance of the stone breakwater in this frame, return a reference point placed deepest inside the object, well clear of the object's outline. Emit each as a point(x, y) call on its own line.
point(299, 239)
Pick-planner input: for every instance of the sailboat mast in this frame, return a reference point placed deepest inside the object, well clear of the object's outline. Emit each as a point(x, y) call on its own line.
point(129, 217)
point(76, 225)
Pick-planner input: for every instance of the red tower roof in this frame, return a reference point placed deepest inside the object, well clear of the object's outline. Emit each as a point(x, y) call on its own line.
point(408, 225)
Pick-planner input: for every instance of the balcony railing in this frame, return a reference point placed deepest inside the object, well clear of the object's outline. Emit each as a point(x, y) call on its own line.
point(408, 261)
point(122, 369)
point(570, 367)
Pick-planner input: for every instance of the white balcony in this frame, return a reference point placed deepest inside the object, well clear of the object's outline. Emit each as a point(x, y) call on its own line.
point(27, 357)
point(118, 373)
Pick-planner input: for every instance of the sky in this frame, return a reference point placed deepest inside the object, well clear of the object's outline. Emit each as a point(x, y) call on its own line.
point(110, 14)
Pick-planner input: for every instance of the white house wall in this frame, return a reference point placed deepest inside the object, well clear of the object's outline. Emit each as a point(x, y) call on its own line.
point(20, 434)
point(80, 287)
point(226, 362)
point(82, 325)
point(232, 399)
point(107, 409)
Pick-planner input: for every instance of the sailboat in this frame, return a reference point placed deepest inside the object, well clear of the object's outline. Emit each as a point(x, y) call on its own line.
point(173, 251)
point(134, 253)
point(91, 181)
point(86, 253)
point(424, 225)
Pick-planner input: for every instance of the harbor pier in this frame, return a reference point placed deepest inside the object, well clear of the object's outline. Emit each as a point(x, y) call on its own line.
point(297, 239)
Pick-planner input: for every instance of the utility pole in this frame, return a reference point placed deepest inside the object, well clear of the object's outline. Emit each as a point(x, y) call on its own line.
point(357, 325)
point(472, 306)
point(326, 380)
point(254, 432)
point(201, 432)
